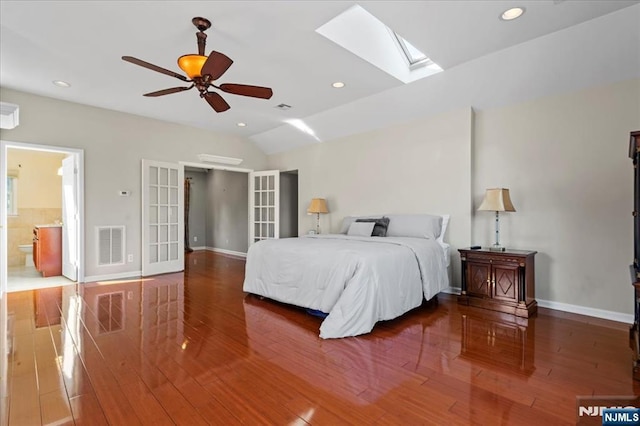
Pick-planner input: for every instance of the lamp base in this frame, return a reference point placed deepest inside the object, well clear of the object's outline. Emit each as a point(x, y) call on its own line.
point(497, 247)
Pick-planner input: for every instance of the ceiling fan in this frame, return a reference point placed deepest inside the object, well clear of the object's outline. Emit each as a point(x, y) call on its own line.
point(202, 72)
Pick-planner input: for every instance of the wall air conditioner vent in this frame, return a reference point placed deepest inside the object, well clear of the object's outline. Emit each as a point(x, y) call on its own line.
point(9, 115)
point(110, 245)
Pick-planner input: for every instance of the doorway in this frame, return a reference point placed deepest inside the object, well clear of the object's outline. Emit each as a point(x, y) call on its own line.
point(43, 193)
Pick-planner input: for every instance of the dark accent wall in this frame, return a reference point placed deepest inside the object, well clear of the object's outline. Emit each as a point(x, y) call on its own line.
point(198, 207)
point(227, 220)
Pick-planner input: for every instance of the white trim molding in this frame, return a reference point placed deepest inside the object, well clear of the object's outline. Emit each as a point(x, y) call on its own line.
point(229, 252)
point(133, 275)
point(574, 309)
point(585, 310)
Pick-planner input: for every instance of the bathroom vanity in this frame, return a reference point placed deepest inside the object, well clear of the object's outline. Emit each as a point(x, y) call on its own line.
point(47, 249)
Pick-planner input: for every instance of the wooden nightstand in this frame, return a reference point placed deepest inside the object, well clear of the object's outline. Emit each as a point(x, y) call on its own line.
point(500, 281)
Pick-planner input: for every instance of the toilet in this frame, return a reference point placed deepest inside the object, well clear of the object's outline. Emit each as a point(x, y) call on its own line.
point(28, 250)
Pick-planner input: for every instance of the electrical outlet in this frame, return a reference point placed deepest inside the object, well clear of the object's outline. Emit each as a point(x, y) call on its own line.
point(195, 239)
point(130, 258)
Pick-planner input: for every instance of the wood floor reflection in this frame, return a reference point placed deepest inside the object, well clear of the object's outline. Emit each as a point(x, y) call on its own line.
point(194, 349)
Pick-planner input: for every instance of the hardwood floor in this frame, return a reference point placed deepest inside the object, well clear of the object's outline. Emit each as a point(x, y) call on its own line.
point(194, 349)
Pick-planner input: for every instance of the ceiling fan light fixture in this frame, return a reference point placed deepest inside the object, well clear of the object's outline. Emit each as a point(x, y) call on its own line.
point(192, 65)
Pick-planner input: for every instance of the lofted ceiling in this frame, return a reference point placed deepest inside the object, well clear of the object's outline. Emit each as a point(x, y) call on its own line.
point(555, 46)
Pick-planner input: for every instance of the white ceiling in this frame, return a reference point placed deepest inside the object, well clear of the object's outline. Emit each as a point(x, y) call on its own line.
point(555, 46)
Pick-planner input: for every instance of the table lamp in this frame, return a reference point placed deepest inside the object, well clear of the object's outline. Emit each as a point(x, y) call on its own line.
point(317, 206)
point(497, 200)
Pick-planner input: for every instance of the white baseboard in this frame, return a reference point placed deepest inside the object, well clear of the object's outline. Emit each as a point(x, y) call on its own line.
point(574, 309)
point(109, 277)
point(199, 248)
point(585, 310)
point(225, 251)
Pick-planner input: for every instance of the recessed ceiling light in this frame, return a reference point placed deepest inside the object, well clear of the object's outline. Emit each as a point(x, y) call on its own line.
point(61, 83)
point(241, 124)
point(513, 13)
point(338, 84)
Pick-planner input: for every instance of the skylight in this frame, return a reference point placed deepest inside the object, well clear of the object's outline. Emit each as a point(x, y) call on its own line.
point(378, 44)
point(414, 56)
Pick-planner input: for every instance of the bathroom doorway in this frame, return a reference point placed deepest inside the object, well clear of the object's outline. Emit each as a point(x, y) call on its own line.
point(41, 201)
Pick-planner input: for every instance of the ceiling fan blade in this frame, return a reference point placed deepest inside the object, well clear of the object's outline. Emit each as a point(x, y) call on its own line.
point(167, 91)
point(216, 65)
point(216, 101)
point(246, 90)
point(156, 68)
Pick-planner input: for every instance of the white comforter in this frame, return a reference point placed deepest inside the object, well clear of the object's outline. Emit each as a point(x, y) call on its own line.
point(356, 280)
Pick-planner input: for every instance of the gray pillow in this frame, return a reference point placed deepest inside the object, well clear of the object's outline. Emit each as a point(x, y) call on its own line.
point(380, 228)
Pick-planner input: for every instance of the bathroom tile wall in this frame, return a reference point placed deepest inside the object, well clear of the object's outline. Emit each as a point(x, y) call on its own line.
point(20, 230)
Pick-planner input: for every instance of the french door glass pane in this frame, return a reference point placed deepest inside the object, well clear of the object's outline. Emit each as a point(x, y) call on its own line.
point(153, 175)
point(164, 233)
point(164, 214)
point(164, 176)
point(153, 253)
point(153, 195)
point(153, 234)
point(163, 254)
point(153, 214)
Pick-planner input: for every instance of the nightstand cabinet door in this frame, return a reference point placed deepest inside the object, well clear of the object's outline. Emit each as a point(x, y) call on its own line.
point(479, 279)
point(501, 281)
point(505, 282)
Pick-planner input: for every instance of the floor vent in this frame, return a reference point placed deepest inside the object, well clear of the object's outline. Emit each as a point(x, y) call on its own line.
point(110, 245)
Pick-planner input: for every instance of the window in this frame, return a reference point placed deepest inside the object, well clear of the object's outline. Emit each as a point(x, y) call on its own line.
point(12, 196)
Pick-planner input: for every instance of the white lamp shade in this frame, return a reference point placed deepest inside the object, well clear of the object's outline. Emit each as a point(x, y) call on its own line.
point(497, 200)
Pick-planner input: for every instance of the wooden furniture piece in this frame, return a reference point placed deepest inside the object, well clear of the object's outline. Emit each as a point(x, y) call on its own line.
point(634, 337)
point(500, 281)
point(47, 249)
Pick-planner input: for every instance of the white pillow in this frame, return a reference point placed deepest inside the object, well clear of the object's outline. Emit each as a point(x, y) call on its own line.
point(348, 220)
point(415, 225)
point(445, 223)
point(361, 229)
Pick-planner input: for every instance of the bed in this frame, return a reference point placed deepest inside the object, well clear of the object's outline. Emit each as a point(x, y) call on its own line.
point(352, 277)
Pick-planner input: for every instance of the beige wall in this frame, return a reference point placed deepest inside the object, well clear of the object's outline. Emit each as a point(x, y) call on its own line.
point(563, 157)
point(113, 144)
point(565, 160)
point(39, 197)
point(422, 166)
point(39, 185)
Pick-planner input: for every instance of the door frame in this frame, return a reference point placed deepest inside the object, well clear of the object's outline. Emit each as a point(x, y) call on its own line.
point(210, 166)
point(80, 241)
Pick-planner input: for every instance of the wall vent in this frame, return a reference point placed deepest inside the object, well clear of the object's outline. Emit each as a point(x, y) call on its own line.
point(9, 115)
point(110, 245)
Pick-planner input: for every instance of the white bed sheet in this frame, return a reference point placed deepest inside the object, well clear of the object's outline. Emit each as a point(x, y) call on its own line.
point(358, 281)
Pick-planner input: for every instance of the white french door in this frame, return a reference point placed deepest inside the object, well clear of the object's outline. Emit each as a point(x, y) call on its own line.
point(70, 217)
point(162, 217)
point(264, 205)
